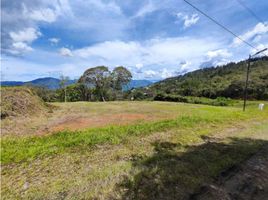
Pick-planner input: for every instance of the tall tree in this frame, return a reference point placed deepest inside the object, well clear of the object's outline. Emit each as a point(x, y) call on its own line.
point(99, 78)
point(120, 76)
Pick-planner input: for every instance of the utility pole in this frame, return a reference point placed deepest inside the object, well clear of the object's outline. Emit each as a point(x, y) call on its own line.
point(246, 84)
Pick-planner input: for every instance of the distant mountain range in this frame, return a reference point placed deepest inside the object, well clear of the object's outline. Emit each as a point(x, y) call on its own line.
point(138, 84)
point(54, 83)
point(48, 82)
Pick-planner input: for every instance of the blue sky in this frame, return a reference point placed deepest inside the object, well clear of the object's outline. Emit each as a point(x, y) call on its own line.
point(154, 39)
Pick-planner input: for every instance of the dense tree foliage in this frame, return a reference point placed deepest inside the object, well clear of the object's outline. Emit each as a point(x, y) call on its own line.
point(105, 85)
point(75, 92)
point(98, 78)
point(120, 76)
point(225, 81)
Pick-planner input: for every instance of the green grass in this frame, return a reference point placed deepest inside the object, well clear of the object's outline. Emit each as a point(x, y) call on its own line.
point(170, 172)
point(29, 148)
point(144, 160)
point(16, 150)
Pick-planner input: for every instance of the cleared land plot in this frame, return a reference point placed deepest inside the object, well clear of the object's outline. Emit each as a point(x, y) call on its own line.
point(81, 115)
point(170, 153)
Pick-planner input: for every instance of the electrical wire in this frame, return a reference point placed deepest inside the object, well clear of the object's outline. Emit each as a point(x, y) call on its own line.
point(222, 26)
point(250, 11)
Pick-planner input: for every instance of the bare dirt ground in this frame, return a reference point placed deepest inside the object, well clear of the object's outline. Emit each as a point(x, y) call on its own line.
point(77, 116)
point(78, 123)
point(248, 181)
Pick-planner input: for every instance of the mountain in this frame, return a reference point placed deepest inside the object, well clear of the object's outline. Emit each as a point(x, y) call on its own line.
point(225, 81)
point(11, 83)
point(48, 82)
point(53, 83)
point(137, 84)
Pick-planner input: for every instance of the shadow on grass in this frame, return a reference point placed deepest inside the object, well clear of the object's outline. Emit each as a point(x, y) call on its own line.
point(175, 171)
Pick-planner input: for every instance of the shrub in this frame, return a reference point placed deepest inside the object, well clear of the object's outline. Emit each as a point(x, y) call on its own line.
point(219, 101)
point(174, 98)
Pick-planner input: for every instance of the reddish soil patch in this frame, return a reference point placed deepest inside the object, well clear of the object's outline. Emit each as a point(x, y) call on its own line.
point(95, 121)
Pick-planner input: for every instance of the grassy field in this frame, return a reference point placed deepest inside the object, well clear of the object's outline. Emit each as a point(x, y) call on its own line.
point(126, 150)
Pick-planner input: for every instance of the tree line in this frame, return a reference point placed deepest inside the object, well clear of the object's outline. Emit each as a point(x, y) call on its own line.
point(95, 84)
point(101, 84)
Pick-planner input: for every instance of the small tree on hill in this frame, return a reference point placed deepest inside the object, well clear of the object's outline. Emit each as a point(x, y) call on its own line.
point(63, 84)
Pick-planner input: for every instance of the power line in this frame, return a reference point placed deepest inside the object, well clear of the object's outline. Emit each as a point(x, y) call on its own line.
point(222, 26)
point(250, 11)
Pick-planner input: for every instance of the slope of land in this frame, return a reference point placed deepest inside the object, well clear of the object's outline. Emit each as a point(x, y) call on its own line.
point(226, 81)
point(170, 156)
point(20, 101)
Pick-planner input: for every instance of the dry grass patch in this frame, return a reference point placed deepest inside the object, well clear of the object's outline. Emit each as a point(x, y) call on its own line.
point(21, 102)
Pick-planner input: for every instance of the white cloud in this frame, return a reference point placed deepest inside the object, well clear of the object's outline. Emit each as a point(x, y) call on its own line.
point(155, 59)
point(21, 40)
point(65, 52)
point(54, 40)
point(97, 20)
point(216, 58)
point(25, 35)
point(21, 46)
point(108, 6)
point(259, 30)
point(219, 53)
point(139, 66)
point(150, 74)
point(113, 51)
point(156, 74)
point(161, 51)
point(185, 66)
point(45, 14)
point(188, 20)
point(20, 20)
point(166, 73)
point(148, 8)
point(148, 55)
point(16, 68)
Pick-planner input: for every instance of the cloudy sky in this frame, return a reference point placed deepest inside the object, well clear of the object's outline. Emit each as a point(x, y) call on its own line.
point(155, 39)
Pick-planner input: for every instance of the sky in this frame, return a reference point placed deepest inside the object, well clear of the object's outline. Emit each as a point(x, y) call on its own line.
point(154, 39)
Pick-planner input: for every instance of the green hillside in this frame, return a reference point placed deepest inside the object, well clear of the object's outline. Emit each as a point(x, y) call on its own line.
point(225, 81)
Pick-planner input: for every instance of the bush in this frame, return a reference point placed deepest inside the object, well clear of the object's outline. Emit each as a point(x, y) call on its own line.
point(219, 101)
point(174, 98)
